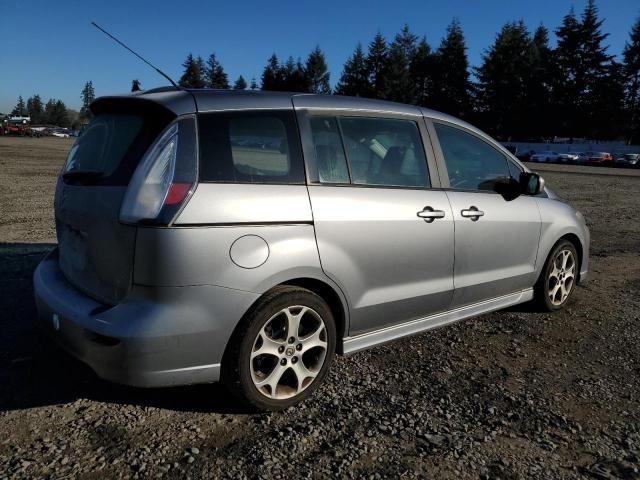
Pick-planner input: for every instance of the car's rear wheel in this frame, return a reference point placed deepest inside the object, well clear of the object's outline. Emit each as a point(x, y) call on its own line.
point(559, 276)
point(282, 350)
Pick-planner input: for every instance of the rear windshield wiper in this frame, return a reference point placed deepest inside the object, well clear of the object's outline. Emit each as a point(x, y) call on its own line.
point(82, 177)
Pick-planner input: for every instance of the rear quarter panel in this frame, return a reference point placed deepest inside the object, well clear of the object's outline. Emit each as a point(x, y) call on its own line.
point(196, 250)
point(174, 257)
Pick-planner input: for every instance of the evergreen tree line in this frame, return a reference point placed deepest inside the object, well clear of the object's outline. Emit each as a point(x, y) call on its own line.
point(522, 90)
point(55, 112)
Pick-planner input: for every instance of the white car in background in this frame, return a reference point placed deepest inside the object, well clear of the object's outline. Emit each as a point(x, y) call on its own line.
point(546, 156)
point(570, 157)
point(579, 157)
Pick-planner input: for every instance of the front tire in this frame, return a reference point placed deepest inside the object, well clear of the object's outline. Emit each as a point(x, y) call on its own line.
point(558, 278)
point(282, 349)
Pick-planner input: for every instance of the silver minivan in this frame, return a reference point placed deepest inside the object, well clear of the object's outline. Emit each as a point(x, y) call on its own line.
point(247, 237)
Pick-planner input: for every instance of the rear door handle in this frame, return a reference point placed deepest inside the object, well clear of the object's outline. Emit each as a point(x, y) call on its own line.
point(429, 214)
point(473, 213)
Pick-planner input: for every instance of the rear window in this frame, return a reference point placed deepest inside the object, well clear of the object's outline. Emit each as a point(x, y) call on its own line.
point(250, 147)
point(103, 144)
point(113, 143)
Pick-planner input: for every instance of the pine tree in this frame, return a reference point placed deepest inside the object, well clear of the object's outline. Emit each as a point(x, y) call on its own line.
point(294, 77)
point(215, 76)
point(399, 84)
point(240, 83)
point(87, 96)
point(20, 110)
point(61, 114)
point(272, 74)
point(49, 111)
point(421, 70)
point(602, 98)
point(631, 71)
point(568, 78)
point(254, 84)
point(136, 86)
point(377, 59)
point(55, 112)
point(35, 108)
point(354, 80)
point(538, 86)
point(502, 84)
point(193, 73)
point(451, 85)
point(317, 72)
point(406, 41)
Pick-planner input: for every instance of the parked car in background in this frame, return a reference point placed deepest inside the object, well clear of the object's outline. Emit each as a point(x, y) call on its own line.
point(546, 156)
point(207, 235)
point(579, 157)
point(60, 134)
point(628, 160)
point(524, 155)
point(600, 158)
point(567, 157)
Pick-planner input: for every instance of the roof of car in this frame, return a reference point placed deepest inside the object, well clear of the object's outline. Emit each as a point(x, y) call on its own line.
point(181, 101)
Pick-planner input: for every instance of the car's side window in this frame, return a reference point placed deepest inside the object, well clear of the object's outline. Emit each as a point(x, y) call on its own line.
point(327, 144)
point(250, 147)
point(385, 152)
point(514, 170)
point(472, 163)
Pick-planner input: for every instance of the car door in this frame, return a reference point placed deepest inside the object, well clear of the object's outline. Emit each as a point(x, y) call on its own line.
point(496, 239)
point(384, 235)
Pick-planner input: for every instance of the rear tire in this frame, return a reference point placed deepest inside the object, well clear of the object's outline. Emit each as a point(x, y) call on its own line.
point(282, 349)
point(558, 278)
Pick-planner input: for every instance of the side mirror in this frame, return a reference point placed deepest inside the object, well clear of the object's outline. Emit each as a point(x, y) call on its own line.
point(532, 183)
point(509, 188)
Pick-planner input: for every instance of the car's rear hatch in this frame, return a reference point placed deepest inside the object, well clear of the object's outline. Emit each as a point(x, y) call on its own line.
point(95, 249)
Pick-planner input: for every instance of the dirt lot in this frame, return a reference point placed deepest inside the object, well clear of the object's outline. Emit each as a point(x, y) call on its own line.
point(507, 395)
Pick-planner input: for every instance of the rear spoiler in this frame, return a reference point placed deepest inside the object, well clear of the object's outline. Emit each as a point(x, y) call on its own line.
point(169, 100)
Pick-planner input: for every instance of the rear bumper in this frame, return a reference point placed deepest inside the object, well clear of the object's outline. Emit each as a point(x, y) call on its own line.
point(158, 336)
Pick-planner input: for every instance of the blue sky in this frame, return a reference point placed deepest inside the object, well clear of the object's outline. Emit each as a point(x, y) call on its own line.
point(50, 47)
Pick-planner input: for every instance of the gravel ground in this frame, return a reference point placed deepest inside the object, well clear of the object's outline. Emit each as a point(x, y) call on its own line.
point(507, 395)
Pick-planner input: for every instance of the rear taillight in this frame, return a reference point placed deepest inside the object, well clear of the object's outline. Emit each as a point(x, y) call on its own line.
point(165, 178)
point(177, 193)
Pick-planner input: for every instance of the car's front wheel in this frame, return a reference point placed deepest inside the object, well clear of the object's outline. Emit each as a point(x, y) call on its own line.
point(282, 349)
point(558, 278)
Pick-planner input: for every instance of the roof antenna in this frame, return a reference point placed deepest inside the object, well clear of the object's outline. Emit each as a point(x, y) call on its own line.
point(137, 55)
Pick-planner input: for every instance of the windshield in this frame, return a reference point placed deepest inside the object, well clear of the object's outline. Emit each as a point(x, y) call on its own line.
point(104, 143)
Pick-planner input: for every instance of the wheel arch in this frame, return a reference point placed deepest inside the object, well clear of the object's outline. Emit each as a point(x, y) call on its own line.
point(334, 300)
point(577, 244)
point(329, 293)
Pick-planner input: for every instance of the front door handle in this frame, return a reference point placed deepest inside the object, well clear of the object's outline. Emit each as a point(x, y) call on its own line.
point(473, 213)
point(429, 214)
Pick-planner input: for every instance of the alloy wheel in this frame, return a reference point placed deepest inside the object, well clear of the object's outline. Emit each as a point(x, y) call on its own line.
point(562, 276)
point(288, 352)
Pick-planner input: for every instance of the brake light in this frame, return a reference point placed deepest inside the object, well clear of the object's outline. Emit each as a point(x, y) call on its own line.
point(165, 178)
point(177, 193)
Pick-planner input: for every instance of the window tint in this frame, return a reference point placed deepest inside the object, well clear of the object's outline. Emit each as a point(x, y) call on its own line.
point(384, 152)
point(250, 147)
point(514, 170)
point(330, 159)
point(104, 143)
point(472, 163)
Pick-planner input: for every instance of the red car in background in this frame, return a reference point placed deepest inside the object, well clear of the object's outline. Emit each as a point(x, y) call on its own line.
point(600, 158)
